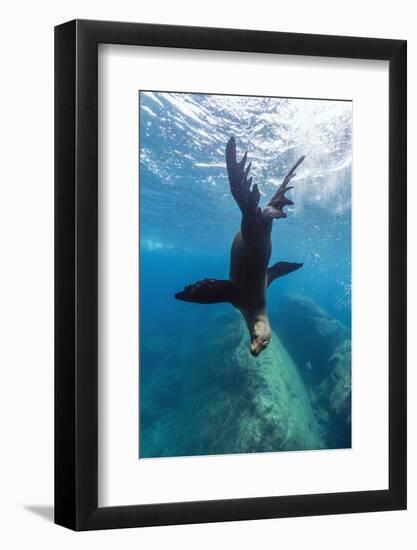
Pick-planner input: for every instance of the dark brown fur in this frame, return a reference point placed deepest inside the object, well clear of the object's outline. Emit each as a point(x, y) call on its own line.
point(249, 275)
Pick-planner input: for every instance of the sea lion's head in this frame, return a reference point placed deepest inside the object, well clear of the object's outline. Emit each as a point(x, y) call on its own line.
point(260, 336)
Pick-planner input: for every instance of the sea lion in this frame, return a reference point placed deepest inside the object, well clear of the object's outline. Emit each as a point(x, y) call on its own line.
point(251, 250)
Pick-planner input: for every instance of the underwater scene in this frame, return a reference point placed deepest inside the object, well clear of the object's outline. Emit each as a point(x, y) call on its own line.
point(245, 274)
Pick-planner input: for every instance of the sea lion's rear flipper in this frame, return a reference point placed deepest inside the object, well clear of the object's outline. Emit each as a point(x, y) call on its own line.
point(208, 291)
point(279, 269)
point(275, 207)
point(246, 197)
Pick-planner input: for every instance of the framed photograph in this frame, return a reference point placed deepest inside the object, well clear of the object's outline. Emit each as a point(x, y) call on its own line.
point(230, 252)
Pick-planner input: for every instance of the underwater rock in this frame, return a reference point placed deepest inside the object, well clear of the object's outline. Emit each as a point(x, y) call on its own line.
point(309, 334)
point(321, 348)
point(336, 388)
point(332, 398)
point(156, 346)
point(219, 399)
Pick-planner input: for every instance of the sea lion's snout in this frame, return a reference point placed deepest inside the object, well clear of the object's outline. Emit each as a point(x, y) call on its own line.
point(257, 346)
point(260, 337)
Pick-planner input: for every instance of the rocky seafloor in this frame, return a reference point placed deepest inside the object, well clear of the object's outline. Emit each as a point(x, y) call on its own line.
point(321, 347)
point(208, 395)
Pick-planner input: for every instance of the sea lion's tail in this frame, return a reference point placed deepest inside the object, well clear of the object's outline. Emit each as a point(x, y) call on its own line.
point(275, 207)
point(279, 269)
point(246, 195)
point(209, 291)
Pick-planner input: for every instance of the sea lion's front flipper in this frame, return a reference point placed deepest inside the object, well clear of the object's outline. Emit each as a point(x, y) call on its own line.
point(209, 291)
point(279, 269)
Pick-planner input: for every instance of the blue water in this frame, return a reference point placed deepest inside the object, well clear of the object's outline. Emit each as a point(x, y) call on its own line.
point(188, 218)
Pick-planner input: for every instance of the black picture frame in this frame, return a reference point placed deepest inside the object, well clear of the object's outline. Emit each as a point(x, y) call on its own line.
point(76, 272)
